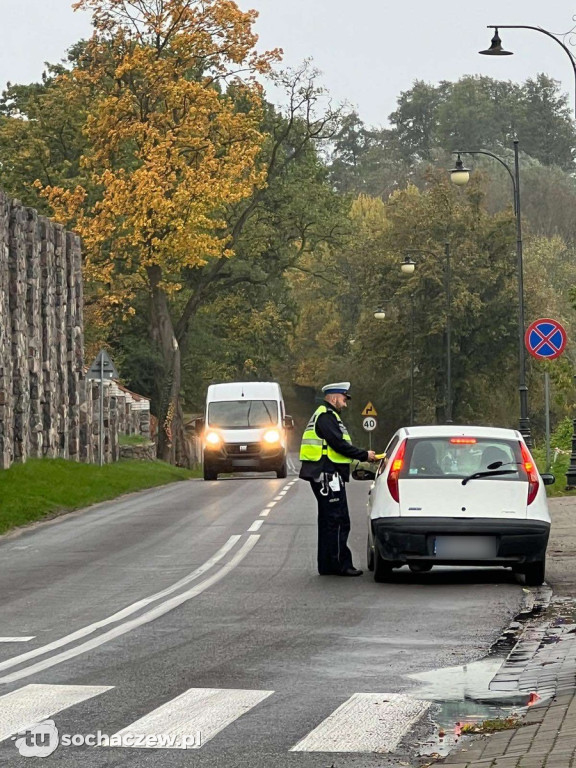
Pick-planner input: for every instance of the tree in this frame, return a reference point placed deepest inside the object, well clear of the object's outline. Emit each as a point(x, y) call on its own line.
point(416, 121)
point(172, 138)
point(41, 136)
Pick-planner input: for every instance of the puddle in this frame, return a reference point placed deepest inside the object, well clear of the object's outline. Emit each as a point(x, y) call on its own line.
point(462, 695)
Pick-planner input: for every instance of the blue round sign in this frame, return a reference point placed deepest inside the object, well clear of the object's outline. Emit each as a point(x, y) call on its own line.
point(545, 339)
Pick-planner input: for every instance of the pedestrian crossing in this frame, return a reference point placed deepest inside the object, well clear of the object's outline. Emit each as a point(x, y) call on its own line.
point(23, 708)
point(204, 711)
point(365, 722)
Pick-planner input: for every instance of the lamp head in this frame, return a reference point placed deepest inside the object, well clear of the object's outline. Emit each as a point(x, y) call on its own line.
point(380, 314)
point(459, 175)
point(495, 47)
point(407, 266)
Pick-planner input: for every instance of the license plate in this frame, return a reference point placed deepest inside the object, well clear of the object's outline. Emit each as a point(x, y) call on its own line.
point(465, 547)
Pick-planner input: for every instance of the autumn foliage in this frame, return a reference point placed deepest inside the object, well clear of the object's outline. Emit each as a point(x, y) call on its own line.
point(173, 112)
point(168, 144)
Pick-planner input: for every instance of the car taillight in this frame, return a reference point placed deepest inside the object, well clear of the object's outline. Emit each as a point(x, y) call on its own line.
point(395, 469)
point(531, 472)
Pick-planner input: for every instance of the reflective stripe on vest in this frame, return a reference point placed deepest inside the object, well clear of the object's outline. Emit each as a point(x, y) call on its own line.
point(312, 447)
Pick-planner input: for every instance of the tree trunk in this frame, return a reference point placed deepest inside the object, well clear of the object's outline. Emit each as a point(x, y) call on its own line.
point(172, 445)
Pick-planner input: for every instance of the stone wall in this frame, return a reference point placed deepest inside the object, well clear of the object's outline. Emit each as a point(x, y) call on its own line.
point(47, 408)
point(41, 339)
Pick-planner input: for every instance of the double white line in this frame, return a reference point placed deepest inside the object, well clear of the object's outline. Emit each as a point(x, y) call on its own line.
point(128, 626)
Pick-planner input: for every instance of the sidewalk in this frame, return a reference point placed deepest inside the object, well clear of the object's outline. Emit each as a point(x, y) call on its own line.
point(547, 738)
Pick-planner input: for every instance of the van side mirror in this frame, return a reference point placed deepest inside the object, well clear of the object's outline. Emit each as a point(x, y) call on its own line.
point(288, 422)
point(548, 479)
point(199, 425)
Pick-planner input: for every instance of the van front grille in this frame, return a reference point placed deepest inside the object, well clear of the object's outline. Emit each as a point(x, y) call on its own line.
point(242, 449)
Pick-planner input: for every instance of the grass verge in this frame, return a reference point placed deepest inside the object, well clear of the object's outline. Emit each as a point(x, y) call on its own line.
point(558, 468)
point(493, 726)
point(132, 440)
point(43, 488)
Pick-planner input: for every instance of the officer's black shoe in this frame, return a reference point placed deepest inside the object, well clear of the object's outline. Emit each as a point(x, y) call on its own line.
point(352, 572)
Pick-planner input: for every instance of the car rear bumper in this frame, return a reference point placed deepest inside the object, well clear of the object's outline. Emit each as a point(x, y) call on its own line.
point(401, 540)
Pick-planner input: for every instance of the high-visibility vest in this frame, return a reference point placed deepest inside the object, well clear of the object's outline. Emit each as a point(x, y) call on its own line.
point(313, 447)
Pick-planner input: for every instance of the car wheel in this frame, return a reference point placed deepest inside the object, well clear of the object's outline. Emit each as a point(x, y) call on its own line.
point(420, 567)
point(535, 573)
point(382, 568)
point(369, 555)
point(209, 473)
point(283, 471)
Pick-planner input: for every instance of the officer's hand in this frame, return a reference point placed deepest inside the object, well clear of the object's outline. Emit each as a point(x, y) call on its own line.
point(371, 455)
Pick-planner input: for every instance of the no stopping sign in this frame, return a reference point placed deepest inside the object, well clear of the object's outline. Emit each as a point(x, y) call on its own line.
point(545, 339)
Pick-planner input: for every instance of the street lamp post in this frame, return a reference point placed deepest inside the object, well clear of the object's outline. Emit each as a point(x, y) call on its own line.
point(497, 50)
point(408, 268)
point(412, 359)
point(460, 176)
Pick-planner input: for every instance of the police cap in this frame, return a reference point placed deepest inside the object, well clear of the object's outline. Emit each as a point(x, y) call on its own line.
point(338, 388)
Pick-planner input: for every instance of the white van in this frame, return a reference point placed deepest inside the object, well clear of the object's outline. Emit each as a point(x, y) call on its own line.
point(245, 429)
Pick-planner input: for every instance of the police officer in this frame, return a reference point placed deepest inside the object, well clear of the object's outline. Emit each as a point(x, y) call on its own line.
point(326, 453)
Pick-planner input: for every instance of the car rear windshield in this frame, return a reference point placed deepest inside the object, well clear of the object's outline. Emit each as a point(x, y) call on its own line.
point(243, 414)
point(457, 457)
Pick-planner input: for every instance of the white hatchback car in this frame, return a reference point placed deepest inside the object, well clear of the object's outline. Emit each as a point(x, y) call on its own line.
point(452, 495)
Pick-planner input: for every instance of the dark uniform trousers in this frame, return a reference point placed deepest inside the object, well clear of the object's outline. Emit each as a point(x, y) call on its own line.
point(333, 529)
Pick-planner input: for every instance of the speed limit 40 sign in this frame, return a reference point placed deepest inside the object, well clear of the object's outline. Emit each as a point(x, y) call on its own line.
point(369, 423)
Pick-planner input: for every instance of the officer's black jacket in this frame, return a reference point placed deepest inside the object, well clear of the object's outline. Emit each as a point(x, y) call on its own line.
point(328, 428)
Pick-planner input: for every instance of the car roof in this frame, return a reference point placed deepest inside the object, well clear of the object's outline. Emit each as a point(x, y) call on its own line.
point(453, 430)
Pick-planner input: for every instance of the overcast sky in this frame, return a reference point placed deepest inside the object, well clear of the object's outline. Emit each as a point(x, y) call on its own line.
point(368, 50)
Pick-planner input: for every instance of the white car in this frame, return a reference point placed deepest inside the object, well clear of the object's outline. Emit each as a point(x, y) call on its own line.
point(452, 495)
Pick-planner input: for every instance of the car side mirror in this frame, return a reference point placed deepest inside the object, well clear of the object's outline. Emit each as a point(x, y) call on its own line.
point(548, 479)
point(288, 422)
point(363, 474)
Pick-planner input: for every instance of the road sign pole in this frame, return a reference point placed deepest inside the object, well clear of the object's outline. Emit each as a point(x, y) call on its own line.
point(101, 429)
point(369, 441)
point(547, 410)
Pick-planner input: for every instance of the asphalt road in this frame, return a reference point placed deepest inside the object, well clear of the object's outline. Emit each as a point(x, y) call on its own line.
point(196, 609)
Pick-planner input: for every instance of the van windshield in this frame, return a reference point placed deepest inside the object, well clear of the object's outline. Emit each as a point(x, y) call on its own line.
point(241, 414)
point(460, 457)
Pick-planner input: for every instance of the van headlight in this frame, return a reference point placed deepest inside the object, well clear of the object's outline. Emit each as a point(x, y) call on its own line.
point(271, 436)
point(213, 440)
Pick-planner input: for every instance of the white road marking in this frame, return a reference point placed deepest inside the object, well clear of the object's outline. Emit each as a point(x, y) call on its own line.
point(27, 706)
point(277, 498)
point(283, 493)
point(88, 630)
point(272, 504)
point(367, 722)
point(206, 711)
point(286, 488)
point(16, 639)
point(265, 513)
point(256, 525)
point(144, 618)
